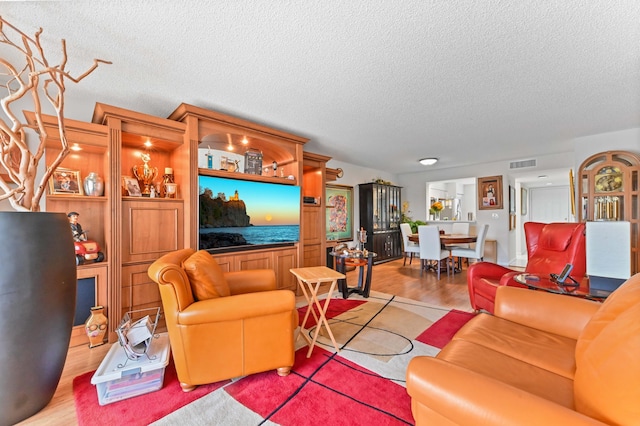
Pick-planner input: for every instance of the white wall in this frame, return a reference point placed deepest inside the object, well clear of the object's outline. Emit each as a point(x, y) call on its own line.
point(414, 183)
point(414, 191)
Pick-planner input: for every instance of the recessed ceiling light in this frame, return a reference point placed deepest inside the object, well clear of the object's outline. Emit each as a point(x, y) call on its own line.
point(428, 161)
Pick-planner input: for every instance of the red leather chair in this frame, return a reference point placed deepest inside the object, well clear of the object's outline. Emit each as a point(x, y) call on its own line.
point(550, 246)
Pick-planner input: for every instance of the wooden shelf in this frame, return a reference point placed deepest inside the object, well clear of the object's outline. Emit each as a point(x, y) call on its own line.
point(246, 176)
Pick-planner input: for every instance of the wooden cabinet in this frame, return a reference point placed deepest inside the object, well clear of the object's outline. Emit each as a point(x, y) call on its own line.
point(314, 209)
point(609, 190)
point(280, 260)
point(380, 218)
point(142, 228)
point(89, 148)
point(134, 231)
point(210, 130)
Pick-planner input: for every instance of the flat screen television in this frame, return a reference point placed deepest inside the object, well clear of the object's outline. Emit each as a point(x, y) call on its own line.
point(237, 214)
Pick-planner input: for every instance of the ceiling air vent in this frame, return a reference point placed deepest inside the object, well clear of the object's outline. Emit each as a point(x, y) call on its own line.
point(522, 164)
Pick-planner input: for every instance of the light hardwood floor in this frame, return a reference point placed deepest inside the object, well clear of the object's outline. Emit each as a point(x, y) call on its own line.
point(391, 277)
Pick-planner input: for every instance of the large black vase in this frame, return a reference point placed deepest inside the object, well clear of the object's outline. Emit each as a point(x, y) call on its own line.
point(37, 303)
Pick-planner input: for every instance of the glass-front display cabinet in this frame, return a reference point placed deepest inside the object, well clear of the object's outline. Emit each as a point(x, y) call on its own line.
point(380, 218)
point(608, 188)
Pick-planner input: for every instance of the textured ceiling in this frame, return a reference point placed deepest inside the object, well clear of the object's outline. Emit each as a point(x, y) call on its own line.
point(374, 83)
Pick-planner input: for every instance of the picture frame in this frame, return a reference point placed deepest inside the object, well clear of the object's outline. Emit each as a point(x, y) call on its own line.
point(253, 162)
point(490, 193)
point(65, 181)
point(512, 221)
point(524, 198)
point(131, 186)
point(512, 200)
point(339, 212)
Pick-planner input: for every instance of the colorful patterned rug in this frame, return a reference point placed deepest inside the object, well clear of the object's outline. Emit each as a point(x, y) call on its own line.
point(362, 384)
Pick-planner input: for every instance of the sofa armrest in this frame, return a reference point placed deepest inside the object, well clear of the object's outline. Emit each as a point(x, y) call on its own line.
point(468, 398)
point(488, 270)
point(237, 307)
point(250, 281)
point(555, 313)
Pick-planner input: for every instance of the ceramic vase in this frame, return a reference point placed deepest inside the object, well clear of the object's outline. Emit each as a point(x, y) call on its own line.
point(96, 326)
point(93, 185)
point(37, 302)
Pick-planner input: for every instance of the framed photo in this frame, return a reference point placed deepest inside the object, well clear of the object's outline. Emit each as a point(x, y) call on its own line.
point(65, 181)
point(339, 214)
point(490, 193)
point(524, 200)
point(512, 200)
point(253, 162)
point(512, 221)
point(131, 186)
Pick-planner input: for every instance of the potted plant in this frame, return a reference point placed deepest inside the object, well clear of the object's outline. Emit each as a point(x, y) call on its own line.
point(38, 276)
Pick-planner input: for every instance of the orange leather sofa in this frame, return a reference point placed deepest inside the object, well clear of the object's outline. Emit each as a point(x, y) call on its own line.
point(223, 325)
point(542, 359)
point(550, 246)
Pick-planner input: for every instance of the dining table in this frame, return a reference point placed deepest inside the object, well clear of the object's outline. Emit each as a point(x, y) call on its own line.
point(448, 240)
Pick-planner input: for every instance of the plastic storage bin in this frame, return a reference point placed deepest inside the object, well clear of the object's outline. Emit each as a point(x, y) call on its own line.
point(119, 377)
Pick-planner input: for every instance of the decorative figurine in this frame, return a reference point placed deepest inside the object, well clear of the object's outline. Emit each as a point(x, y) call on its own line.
point(275, 168)
point(76, 228)
point(86, 250)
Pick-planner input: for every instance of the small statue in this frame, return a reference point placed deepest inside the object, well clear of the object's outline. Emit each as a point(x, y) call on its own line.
point(76, 228)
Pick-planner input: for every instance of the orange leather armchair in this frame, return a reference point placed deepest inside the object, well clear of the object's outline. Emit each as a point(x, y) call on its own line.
point(542, 359)
point(223, 325)
point(550, 246)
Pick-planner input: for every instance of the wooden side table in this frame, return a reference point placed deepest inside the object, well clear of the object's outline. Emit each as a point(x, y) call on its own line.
point(309, 280)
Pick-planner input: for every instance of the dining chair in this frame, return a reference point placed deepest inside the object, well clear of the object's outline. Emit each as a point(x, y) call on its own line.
point(459, 228)
point(430, 248)
point(409, 247)
point(476, 253)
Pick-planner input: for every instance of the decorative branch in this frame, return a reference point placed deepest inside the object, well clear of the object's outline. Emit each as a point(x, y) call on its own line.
point(38, 79)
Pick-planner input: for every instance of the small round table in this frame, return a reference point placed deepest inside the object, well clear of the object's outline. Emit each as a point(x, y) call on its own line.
point(357, 258)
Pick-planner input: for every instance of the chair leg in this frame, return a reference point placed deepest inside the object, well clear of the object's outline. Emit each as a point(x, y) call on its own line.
point(410, 258)
point(404, 259)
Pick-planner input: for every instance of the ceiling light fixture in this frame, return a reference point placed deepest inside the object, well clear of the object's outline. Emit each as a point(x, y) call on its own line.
point(428, 161)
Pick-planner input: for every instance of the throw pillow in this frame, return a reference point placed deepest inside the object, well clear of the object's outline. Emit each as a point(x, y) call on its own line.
point(206, 277)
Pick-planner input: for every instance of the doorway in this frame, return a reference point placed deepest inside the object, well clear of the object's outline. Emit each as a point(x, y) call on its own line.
point(543, 197)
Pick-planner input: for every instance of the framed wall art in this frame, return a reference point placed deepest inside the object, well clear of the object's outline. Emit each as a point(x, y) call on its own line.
point(490, 193)
point(65, 181)
point(339, 214)
point(524, 199)
point(512, 200)
point(131, 186)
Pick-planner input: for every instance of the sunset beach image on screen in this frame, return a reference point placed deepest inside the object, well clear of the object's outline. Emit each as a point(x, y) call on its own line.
point(239, 214)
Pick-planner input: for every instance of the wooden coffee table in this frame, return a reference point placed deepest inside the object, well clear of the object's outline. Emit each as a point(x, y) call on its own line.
point(310, 280)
